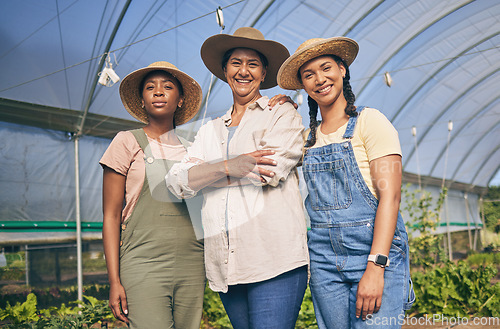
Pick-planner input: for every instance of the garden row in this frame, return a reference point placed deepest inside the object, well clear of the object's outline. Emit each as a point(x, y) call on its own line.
point(452, 289)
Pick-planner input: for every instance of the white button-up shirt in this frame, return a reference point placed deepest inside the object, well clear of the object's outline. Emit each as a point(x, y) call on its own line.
point(265, 232)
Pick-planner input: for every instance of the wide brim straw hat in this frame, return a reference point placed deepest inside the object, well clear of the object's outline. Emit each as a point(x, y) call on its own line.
point(132, 97)
point(214, 48)
point(345, 48)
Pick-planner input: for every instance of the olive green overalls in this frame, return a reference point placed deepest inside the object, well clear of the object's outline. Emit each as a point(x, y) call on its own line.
point(161, 260)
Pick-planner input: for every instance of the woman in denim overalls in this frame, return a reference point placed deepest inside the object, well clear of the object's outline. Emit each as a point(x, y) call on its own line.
point(358, 244)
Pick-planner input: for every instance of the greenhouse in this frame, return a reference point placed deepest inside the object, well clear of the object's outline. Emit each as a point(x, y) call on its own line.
point(431, 67)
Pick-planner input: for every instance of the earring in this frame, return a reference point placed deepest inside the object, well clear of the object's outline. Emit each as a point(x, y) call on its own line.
point(142, 106)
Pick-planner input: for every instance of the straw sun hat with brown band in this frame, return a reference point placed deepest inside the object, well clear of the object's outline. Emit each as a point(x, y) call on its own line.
point(132, 97)
point(345, 48)
point(214, 48)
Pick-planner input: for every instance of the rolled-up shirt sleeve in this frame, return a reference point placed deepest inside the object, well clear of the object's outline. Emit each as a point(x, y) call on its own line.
point(284, 137)
point(177, 179)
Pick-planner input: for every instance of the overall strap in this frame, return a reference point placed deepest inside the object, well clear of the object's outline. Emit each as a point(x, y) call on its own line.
point(349, 131)
point(183, 141)
point(143, 142)
point(141, 138)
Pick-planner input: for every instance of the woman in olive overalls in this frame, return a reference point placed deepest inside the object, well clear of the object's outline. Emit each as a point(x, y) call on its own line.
point(154, 258)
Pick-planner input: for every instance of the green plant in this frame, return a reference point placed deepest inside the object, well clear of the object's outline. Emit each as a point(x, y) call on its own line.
point(425, 246)
point(307, 318)
point(55, 296)
point(214, 315)
point(491, 209)
point(457, 290)
point(476, 259)
point(21, 313)
point(82, 315)
point(12, 274)
point(95, 310)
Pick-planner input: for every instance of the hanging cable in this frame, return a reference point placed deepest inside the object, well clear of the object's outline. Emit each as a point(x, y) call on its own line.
point(34, 32)
point(194, 19)
point(447, 59)
point(66, 80)
point(114, 50)
point(220, 22)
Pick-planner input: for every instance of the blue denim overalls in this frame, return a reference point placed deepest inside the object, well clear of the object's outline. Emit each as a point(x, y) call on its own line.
point(342, 212)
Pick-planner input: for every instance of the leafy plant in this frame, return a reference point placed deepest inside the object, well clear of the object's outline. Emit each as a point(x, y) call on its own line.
point(307, 317)
point(214, 315)
point(476, 259)
point(425, 248)
point(82, 315)
point(95, 310)
point(491, 209)
point(47, 297)
point(21, 313)
point(457, 290)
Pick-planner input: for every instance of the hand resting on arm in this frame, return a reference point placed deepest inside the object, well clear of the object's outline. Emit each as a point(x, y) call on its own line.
point(242, 169)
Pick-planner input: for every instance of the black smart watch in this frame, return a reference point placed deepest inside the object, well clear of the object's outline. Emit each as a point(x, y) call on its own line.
point(379, 260)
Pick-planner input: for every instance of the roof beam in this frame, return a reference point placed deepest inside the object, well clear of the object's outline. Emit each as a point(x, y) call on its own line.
point(433, 75)
point(469, 89)
point(60, 119)
point(480, 168)
point(409, 40)
point(99, 68)
point(474, 117)
point(469, 151)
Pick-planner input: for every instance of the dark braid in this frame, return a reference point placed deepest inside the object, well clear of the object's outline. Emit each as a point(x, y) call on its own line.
point(349, 96)
point(313, 122)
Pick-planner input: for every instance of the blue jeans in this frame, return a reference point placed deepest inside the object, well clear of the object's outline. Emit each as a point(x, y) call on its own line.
point(270, 304)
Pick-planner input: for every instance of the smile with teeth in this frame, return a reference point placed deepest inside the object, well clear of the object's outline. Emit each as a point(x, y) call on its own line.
point(243, 81)
point(324, 90)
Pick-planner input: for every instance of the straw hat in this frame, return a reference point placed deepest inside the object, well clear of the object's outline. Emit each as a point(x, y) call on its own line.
point(345, 48)
point(132, 97)
point(214, 48)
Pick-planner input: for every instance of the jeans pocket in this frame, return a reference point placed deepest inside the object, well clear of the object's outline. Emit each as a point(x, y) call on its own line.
point(328, 184)
point(411, 297)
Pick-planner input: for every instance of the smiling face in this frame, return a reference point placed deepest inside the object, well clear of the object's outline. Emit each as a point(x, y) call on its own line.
point(161, 95)
point(244, 72)
point(322, 78)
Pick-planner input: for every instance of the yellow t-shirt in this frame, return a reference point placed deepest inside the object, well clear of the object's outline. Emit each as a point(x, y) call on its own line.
point(374, 137)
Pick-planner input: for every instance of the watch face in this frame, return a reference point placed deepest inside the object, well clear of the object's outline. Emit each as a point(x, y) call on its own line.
point(381, 260)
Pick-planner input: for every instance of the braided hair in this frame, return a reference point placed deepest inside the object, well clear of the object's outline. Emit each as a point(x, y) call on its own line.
point(349, 96)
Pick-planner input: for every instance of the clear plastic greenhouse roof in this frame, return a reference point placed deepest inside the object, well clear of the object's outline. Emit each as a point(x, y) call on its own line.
point(443, 58)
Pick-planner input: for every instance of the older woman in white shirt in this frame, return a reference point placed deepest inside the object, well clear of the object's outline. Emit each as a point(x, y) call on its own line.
point(244, 163)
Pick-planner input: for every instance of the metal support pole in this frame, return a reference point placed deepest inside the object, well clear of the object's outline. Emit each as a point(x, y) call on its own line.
point(448, 233)
point(27, 266)
point(466, 199)
point(78, 221)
